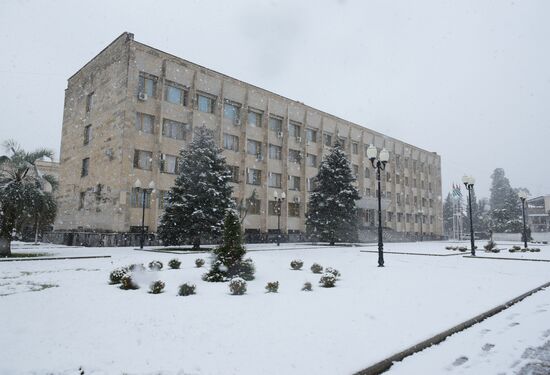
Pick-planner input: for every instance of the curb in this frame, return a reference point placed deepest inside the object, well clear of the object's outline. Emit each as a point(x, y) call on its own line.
point(57, 258)
point(385, 364)
point(400, 253)
point(501, 258)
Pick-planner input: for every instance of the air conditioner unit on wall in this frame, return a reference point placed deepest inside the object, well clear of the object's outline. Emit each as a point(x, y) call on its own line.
point(237, 122)
point(299, 139)
point(142, 96)
point(280, 134)
point(296, 199)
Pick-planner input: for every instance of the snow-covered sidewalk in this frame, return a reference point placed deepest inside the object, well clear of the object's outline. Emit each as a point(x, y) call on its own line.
point(516, 341)
point(61, 315)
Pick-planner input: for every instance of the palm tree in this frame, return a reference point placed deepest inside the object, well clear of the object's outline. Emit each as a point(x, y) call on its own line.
point(23, 192)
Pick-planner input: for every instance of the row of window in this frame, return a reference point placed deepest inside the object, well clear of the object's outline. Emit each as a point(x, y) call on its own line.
point(178, 94)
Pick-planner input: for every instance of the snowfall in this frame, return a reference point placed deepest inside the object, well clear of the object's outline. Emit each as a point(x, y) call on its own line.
point(63, 316)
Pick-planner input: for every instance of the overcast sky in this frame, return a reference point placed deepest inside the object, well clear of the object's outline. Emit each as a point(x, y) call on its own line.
point(469, 80)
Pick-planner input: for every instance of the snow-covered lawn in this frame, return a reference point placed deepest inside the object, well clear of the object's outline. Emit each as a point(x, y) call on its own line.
point(59, 315)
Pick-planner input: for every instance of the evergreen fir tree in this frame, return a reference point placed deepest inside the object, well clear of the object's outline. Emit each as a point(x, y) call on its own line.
point(448, 214)
point(228, 258)
point(198, 201)
point(505, 204)
point(332, 215)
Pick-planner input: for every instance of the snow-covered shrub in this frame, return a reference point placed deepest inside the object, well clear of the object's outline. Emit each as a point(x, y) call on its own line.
point(448, 247)
point(296, 264)
point(186, 289)
point(316, 268)
point(138, 267)
point(307, 287)
point(127, 282)
point(237, 286)
point(199, 262)
point(155, 265)
point(174, 264)
point(525, 249)
point(328, 280)
point(156, 287)
point(272, 287)
point(247, 269)
point(333, 271)
point(117, 274)
point(217, 272)
point(462, 248)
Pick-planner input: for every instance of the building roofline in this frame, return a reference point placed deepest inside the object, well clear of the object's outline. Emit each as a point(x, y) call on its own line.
point(126, 34)
point(130, 36)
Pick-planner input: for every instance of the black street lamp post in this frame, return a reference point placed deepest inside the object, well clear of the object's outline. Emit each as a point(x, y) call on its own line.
point(421, 222)
point(469, 183)
point(144, 193)
point(278, 208)
point(378, 162)
point(523, 196)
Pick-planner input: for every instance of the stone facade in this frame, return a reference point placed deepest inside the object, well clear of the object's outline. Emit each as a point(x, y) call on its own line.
point(131, 109)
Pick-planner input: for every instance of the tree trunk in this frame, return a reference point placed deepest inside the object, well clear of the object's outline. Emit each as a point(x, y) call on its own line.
point(197, 243)
point(5, 246)
point(36, 233)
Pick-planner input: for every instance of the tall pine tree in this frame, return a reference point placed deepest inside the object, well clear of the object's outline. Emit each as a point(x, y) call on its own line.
point(505, 204)
point(197, 203)
point(448, 215)
point(332, 215)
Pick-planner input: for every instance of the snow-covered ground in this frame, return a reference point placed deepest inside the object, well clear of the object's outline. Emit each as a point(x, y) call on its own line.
point(59, 315)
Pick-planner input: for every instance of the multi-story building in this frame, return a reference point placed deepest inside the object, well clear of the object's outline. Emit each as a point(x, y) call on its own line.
point(130, 110)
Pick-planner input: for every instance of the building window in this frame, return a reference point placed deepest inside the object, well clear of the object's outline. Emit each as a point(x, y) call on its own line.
point(175, 93)
point(276, 124)
point(367, 192)
point(408, 218)
point(205, 103)
point(87, 134)
point(275, 152)
point(162, 199)
point(398, 198)
point(254, 206)
point(85, 167)
point(415, 201)
point(89, 102)
point(397, 179)
point(430, 187)
point(342, 142)
point(355, 148)
point(311, 135)
point(169, 164)
point(293, 209)
point(174, 129)
point(81, 200)
point(311, 183)
point(294, 130)
point(388, 177)
point(355, 169)
point(254, 148)
point(414, 182)
point(294, 156)
point(230, 142)
point(137, 198)
point(293, 183)
point(232, 111)
point(253, 176)
point(145, 123)
point(388, 195)
point(406, 181)
point(367, 172)
point(389, 217)
point(311, 160)
point(274, 180)
point(399, 217)
point(147, 84)
point(234, 170)
point(327, 139)
point(255, 118)
point(143, 159)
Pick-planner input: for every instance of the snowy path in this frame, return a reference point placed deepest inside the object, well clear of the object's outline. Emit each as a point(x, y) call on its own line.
point(516, 341)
